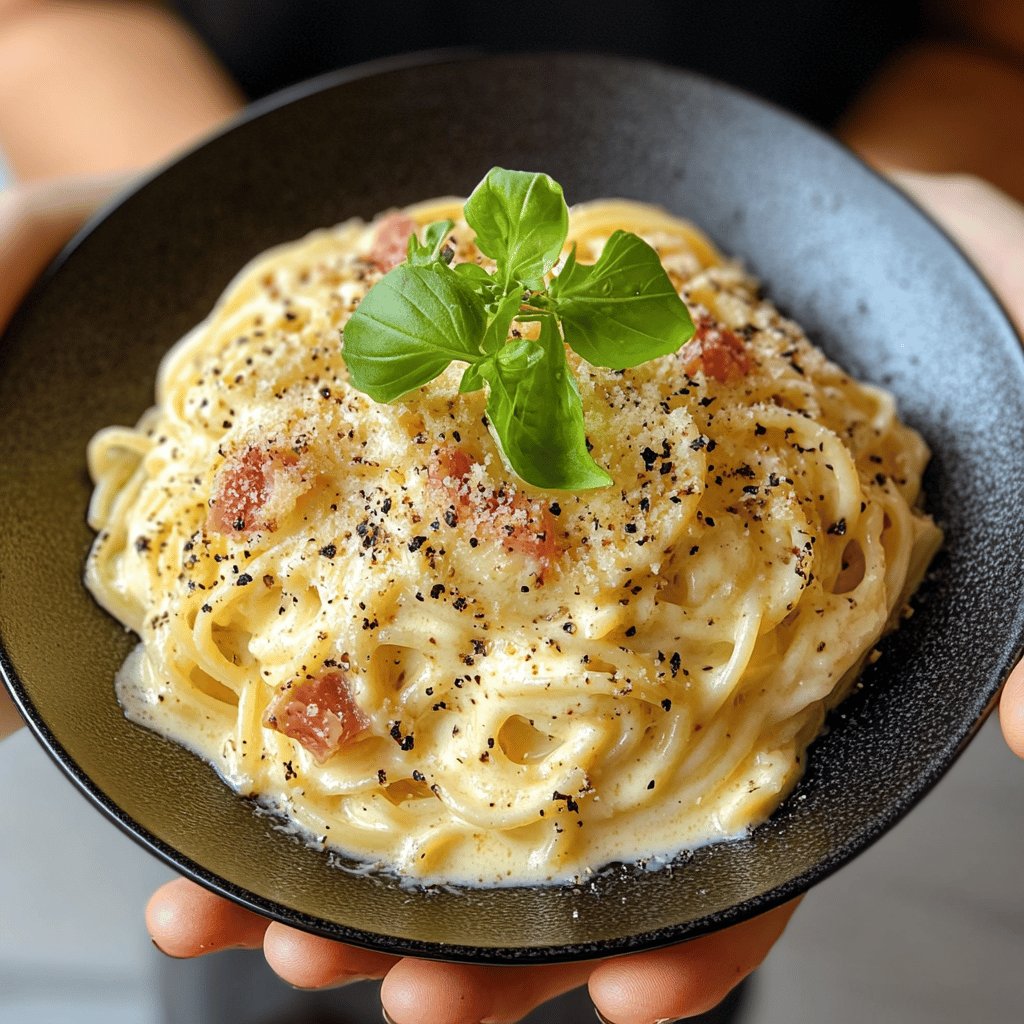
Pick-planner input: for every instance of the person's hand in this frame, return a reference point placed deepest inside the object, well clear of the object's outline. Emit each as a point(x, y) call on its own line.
point(35, 221)
point(662, 984)
point(986, 223)
point(1011, 710)
point(990, 228)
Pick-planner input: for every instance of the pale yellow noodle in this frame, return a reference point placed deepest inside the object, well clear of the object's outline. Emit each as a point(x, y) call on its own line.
point(651, 690)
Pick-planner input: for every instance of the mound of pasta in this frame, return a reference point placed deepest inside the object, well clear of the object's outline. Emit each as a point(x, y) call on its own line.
point(359, 616)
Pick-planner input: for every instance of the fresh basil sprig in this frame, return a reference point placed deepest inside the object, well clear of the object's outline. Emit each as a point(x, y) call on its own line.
point(619, 312)
point(427, 252)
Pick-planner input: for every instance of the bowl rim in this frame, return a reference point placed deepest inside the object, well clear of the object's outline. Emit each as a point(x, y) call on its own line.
point(398, 945)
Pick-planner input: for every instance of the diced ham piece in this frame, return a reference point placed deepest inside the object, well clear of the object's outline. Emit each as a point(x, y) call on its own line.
point(715, 350)
point(245, 486)
point(538, 538)
point(449, 467)
point(391, 244)
point(320, 714)
point(535, 537)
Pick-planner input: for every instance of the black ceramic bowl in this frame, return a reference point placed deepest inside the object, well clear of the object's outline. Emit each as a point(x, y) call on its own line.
point(872, 280)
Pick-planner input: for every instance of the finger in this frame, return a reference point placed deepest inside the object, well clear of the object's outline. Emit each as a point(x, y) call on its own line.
point(1011, 710)
point(428, 992)
point(309, 961)
point(687, 979)
point(36, 220)
point(10, 720)
point(185, 920)
point(985, 222)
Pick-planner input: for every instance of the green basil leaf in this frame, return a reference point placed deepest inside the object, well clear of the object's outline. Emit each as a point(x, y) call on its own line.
point(521, 221)
point(423, 254)
point(472, 378)
point(409, 327)
point(500, 321)
point(519, 356)
point(478, 280)
point(473, 274)
point(535, 410)
point(622, 310)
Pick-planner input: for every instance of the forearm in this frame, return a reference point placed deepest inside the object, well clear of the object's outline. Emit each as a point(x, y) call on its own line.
point(945, 107)
point(102, 86)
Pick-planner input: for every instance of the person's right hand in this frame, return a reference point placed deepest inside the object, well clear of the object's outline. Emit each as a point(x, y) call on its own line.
point(1011, 710)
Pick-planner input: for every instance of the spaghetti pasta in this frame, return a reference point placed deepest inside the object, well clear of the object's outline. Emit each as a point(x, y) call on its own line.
point(359, 616)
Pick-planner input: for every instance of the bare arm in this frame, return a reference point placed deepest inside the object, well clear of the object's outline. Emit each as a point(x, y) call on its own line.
point(91, 87)
point(952, 105)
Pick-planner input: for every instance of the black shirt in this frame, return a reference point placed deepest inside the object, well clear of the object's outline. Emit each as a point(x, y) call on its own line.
point(811, 56)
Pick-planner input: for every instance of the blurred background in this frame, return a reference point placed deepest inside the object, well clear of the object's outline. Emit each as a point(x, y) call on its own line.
point(928, 924)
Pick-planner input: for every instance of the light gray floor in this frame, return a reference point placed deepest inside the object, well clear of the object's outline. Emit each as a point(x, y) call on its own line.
point(927, 927)
point(73, 946)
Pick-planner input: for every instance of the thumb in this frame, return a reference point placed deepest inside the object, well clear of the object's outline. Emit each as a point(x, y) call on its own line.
point(10, 720)
point(986, 223)
point(1011, 710)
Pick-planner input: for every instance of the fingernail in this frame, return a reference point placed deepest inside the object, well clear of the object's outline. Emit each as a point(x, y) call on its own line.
point(661, 1020)
point(165, 953)
point(345, 979)
point(387, 1016)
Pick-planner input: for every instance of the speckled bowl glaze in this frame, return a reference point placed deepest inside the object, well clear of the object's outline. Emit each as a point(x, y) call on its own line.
point(873, 281)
